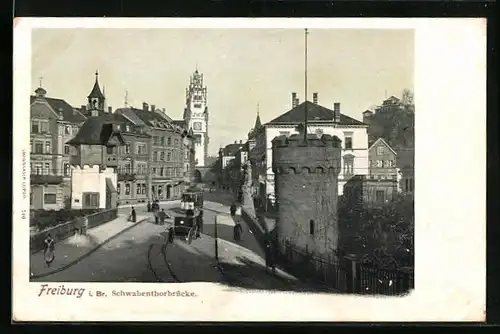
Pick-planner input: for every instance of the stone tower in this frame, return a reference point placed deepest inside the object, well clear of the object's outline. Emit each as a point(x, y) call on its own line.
point(306, 181)
point(196, 116)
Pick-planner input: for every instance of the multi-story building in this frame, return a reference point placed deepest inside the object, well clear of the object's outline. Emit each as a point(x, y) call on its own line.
point(53, 122)
point(361, 191)
point(382, 161)
point(227, 158)
point(321, 120)
point(196, 117)
point(166, 149)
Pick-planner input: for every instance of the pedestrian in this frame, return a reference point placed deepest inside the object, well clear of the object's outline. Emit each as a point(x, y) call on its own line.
point(134, 215)
point(199, 223)
point(162, 215)
point(49, 250)
point(237, 231)
point(148, 206)
point(233, 209)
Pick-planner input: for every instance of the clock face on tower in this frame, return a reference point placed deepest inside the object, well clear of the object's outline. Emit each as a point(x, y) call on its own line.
point(197, 125)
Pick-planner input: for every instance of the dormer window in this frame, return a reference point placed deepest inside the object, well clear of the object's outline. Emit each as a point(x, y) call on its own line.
point(127, 128)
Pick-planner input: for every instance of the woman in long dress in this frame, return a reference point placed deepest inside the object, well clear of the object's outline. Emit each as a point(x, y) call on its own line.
point(49, 250)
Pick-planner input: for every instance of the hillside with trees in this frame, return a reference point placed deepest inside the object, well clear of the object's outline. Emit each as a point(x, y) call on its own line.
point(396, 124)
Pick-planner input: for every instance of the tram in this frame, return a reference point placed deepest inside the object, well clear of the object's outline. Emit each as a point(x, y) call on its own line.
point(192, 199)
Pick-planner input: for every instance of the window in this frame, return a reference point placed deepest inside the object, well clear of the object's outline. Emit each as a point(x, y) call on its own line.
point(67, 130)
point(138, 190)
point(35, 127)
point(380, 196)
point(127, 149)
point(153, 171)
point(127, 128)
point(66, 149)
point(90, 200)
point(348, 165)
point(109, 150)
point(161, 171)
point(391, 163)
point(379, 163)
point(169, 141)
point(46, 169)
point(49, 198)
point(128, 169)
point(176, 142)
point(48, 147)
point(127, 188)
point(141, 148)
point(162, 156)
point(66, 169)
point(380, 150)
point(311, 227)
point(348, 143)
point(162, 141)
point(155, 155)
point(169, 156)
point(118, 188)
point(38, 168)
point(143, 189)
point(197, 139)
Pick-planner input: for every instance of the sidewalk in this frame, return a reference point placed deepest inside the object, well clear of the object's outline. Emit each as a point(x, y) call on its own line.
point(138, 205)
point(72, 250)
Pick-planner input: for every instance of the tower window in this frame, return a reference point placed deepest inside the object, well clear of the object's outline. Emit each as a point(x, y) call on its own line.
point(311, 227)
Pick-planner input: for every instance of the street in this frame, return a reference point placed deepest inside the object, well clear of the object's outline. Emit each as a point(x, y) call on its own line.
point(140, 254)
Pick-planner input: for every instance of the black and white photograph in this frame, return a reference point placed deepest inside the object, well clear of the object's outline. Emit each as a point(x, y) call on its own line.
point(262, 160)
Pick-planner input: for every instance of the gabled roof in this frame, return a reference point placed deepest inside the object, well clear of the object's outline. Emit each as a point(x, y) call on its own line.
point(381, 140)
point(97, 130)
point(315, 113)
point(69, 113)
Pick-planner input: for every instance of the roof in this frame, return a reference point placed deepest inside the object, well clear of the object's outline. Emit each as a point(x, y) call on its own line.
point(180, 123)
point(96, 90)
point(231, 149)
point(391, 100)
point(258, 123)
point(69, 113)
point(147, 117)
point(97, 130)
point(381, 140)
point(315, 112)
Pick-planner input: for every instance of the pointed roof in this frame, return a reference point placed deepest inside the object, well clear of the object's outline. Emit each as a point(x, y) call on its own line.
point(382, 141)
point(315, 113)
point(70, 114)
point(96, 90)
point(258, 123)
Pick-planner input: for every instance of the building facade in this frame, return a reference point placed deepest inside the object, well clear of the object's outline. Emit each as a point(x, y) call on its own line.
point(53, 122)
point(196, 117)
point(165, 155)
point(362, 191)
point(321, 120)
point(382, 161)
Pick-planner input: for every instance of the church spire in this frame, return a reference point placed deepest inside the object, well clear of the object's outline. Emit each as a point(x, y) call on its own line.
point(96, 90)
point(258, 123)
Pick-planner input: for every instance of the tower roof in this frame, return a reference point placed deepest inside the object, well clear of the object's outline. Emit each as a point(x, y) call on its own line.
point(96, 90)
point(258, 123)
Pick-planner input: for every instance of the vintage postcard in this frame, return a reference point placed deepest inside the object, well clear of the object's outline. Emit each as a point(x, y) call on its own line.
point(249, 169)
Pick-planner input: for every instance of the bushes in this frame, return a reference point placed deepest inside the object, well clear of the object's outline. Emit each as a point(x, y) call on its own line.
point(44, 219)
point(381, 237)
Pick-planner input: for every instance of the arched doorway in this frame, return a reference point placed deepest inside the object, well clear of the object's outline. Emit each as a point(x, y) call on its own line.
point(169, 191)
point(197, 176)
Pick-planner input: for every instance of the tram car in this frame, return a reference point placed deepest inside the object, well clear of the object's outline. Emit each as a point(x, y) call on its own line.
point(192, 199)
point(185, 228)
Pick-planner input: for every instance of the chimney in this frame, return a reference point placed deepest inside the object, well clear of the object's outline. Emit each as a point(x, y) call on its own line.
point(315, 98)
point(110, 109)
point(294, 100)
point(367, 117)
point(336, 112)
point(145, 106)
point(241, 141)
point(153, 107)
point(236, 142)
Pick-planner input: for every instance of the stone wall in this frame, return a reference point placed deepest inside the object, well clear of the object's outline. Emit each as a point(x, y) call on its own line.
point(66, 230)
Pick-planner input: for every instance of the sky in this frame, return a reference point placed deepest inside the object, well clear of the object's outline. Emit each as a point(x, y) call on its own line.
point(245, 70)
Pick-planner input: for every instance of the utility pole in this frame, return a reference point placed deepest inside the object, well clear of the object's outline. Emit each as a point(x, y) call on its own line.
point(216, 241)
point(305, 87)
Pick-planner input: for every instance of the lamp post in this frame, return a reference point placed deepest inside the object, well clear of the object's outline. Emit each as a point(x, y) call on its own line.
point(216, 241)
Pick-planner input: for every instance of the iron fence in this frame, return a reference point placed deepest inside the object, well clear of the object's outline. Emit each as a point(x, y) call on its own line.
point(346, 274)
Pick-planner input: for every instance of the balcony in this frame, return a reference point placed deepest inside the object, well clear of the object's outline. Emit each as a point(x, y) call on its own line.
point(42, 179)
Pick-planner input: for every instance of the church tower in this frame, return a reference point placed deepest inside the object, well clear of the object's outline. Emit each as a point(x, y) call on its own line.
point(196, 116)
point(96, 99)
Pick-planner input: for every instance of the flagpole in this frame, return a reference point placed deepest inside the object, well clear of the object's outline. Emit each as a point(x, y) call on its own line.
point(305, 87)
